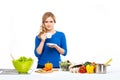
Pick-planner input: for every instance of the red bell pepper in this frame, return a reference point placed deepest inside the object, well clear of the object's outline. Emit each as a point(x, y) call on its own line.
point(82, 69)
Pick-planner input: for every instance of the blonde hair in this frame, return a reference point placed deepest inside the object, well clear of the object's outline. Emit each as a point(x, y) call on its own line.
point(44, 17)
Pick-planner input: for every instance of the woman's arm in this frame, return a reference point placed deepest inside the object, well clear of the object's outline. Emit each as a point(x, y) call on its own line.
point(59, 49)
point(40, 47)
point(64, 44)
point(62, 49)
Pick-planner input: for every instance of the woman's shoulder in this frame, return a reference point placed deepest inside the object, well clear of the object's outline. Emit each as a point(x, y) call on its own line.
point(60, 32)
point(37, 37)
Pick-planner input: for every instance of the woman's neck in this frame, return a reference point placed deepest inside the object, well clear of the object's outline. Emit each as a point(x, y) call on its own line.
point(51, 31)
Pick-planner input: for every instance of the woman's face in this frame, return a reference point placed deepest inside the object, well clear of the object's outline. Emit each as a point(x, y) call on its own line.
point(49, 24)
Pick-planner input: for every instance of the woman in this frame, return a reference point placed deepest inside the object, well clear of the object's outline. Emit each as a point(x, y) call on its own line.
point(49, 52)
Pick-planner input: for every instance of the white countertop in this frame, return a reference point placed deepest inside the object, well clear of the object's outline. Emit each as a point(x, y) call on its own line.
point(63, 75)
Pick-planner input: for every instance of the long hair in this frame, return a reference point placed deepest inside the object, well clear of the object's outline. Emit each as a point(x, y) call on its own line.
point(44, 17)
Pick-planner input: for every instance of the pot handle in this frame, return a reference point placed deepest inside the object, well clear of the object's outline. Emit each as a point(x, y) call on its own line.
point(108, 62)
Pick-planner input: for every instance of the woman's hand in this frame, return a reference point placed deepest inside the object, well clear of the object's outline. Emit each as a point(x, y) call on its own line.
point(43, 37)
point(59, 49)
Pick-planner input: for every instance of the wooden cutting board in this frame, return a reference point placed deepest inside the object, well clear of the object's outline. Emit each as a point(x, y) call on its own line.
point(43, 71)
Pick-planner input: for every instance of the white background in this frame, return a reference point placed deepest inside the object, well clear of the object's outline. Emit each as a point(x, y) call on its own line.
point(91, 28)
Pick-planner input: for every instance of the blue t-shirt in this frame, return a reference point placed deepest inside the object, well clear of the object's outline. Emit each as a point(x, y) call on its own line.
point(51, 54)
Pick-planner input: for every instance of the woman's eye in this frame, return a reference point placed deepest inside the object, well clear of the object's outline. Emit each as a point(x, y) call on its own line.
point(51, 21)
point(46, 21)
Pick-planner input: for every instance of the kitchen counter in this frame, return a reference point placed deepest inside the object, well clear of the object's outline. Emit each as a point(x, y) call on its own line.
point(62, 75)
